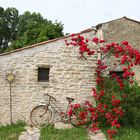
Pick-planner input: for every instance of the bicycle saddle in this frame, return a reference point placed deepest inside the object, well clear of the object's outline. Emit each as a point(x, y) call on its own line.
point(70, 99)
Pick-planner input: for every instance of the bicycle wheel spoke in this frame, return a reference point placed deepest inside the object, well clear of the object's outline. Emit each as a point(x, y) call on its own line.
point(40, 116)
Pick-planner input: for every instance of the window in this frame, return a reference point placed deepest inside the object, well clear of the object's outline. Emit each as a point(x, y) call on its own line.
point(43, 74)
point(118, 73)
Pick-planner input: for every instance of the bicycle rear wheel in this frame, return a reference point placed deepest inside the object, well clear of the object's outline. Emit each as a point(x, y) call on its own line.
point(74, 120)
point(41, 116)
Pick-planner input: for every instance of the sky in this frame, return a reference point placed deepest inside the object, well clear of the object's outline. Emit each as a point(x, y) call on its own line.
point(78, 15)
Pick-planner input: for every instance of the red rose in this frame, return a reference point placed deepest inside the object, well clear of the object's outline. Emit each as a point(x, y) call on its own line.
point(95, 39)
point(72, 35)
point(125, 43)
point(70, 112)
point(118, 125)
point(124, 96)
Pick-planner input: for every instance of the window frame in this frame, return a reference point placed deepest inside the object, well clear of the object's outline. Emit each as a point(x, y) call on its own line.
point(39, 76)
point(119, 73)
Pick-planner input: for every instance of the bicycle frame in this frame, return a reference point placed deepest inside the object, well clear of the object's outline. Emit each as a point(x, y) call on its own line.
point(57, 108)
point(44, 113)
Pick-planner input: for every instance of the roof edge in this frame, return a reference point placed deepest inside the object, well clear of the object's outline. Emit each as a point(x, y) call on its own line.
point(100, 24)
point(46, 42)
point(132, 19)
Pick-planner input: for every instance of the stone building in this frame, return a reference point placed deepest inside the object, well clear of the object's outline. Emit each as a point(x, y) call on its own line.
point(47, 67)
point(123, 29)
point(65, 74)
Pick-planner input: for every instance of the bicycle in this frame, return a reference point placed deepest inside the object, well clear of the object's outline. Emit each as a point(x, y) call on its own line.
point(42, 115)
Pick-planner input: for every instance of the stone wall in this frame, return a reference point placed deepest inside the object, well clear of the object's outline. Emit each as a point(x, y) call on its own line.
point(69, 76)
point(124, 29)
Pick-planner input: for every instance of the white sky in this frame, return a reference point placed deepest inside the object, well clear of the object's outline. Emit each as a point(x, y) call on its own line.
point(77, 15)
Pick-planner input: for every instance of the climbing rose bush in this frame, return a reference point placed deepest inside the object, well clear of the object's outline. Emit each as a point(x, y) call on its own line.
point(109, 102)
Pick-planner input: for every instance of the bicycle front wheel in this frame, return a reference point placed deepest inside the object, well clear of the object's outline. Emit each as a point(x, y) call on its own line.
point(41, 116)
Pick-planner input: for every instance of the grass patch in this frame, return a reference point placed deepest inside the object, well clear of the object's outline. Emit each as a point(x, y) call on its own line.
point(51, 133)
point(11, 132)
point(129, 133)
point(126, 133)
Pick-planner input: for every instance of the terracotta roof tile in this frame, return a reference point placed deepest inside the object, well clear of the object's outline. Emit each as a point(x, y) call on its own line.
point(46, 42)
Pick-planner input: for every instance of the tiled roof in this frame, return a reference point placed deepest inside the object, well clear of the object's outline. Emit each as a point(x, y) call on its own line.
point(64, 37)
point(46, 42)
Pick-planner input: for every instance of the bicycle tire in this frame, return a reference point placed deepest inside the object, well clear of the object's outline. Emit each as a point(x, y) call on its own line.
point(39, 117)
point(73, 120)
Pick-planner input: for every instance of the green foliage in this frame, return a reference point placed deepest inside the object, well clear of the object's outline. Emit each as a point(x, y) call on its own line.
point(11, 132)
point(126, 133)
point(130, 104)
point(34, 29)
point(51, 133)
point(8, 26)
point(21, 30)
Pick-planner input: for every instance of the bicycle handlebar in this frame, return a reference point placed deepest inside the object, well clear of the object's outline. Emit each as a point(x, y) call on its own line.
point(46, 94)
